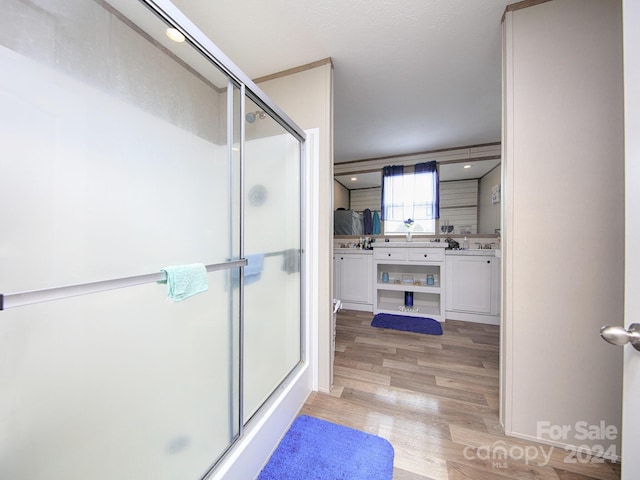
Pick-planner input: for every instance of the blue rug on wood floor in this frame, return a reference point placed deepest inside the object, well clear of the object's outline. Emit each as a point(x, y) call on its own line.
point(314, 449)
point(407, 324)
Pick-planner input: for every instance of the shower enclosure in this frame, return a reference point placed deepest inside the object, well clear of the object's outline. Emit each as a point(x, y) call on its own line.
point(125, 151)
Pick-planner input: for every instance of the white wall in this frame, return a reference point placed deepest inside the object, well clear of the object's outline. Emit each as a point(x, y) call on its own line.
point(459, 205)
point(488, 212)
point(370, 198)
point(307, 97)
point(564, 249)
point(340, 196)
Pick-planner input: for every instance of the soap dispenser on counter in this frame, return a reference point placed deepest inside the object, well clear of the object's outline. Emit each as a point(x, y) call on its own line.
point(465, 244)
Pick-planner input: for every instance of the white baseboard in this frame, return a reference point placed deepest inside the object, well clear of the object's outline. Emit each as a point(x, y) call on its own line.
point(361, 307)
point(473, 317)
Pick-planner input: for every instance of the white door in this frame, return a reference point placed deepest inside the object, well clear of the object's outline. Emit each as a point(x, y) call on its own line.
point(631, 381)
point(631, 388)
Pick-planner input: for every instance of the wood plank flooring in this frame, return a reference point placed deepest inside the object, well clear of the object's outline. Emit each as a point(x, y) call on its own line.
point(435, 398)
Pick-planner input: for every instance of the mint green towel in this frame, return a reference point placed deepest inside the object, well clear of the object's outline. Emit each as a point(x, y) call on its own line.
point(183, 281)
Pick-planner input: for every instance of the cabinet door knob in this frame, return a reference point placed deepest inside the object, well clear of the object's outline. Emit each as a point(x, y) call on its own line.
point(488, 261)
point(341, 258)
point(389, 254)
point(425, 255)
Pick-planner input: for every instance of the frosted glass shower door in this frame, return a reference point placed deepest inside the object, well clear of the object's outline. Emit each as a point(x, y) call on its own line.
point(272, 308)
point(118, 385)
point(115, 163)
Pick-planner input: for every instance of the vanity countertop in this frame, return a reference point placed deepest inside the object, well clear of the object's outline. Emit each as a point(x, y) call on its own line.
point(410, 245)
point(358, 251)
point(474, 252)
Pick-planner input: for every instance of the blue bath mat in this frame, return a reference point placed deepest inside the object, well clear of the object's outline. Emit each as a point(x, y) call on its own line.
point(407, 324)
point(314, 449)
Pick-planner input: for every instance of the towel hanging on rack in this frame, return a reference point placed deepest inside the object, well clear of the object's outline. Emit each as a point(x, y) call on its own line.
point(377, 228)
point(252, 271)
point(184, 281)
point(291, 262)
point(368, 227)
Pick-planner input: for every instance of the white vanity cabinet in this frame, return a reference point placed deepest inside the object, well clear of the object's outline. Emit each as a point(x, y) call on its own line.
point(418, 269)
point(473, 286)
point(352, 272)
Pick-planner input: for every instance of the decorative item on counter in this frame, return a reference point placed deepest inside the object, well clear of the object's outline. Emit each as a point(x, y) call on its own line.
point(385, 277)
point(495, 194)
point(408, 299)
point(408, 223)
point(453, 245)
point(408, 279)
point(430, 280)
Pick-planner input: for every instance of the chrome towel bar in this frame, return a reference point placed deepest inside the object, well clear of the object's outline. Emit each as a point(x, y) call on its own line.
point(19, 299)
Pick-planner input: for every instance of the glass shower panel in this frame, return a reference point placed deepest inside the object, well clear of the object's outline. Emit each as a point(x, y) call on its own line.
point(272, 309)
point(107, 125)
point(120, 384)
point(115, 163)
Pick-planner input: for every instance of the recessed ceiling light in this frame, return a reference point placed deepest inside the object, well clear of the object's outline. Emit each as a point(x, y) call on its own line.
point(467, 166)
point(175, 35)
point(353, 179)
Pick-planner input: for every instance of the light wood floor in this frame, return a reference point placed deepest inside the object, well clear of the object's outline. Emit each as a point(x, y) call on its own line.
point(435, 398)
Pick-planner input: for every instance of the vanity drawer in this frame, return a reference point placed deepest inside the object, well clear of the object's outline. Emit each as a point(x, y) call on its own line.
point(389, 254)
point(426, 254)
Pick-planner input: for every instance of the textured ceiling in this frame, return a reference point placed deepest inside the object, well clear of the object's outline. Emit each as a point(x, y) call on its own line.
point(410, 75)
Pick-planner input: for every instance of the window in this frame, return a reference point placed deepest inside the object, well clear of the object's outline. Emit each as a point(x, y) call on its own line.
point(410, 196)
